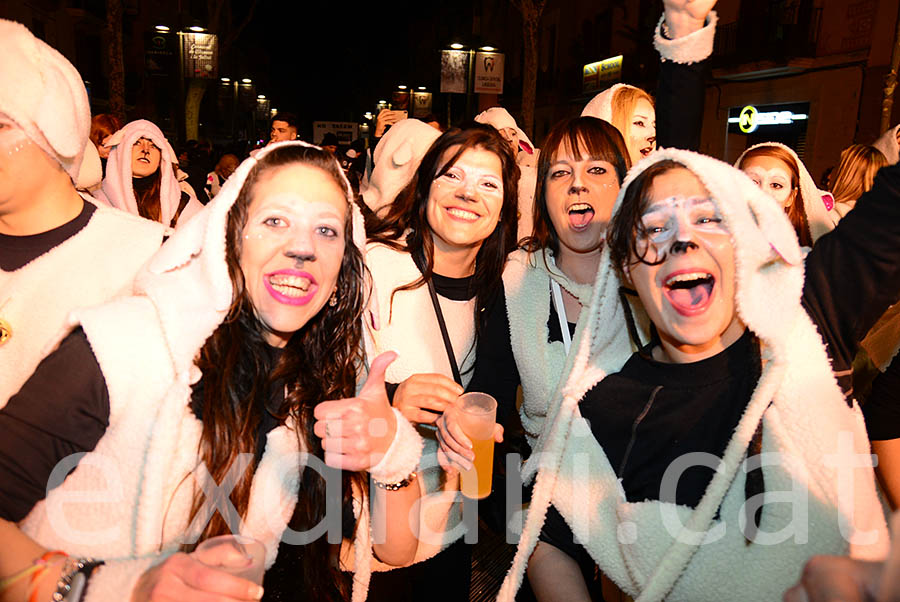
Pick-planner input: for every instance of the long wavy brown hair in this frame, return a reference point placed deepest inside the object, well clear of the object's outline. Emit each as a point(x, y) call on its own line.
point(147, 199)
point(409, 211)
point(320, 362)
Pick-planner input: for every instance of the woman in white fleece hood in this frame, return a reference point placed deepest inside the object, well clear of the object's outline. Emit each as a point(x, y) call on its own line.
point(778, 170)
point(141, 176)
point(652, 459)
point(247, 320)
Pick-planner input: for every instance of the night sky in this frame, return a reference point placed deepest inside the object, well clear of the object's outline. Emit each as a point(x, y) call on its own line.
point(334, 60)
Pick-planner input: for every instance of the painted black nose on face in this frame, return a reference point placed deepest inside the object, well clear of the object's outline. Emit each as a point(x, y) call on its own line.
point(681, 246)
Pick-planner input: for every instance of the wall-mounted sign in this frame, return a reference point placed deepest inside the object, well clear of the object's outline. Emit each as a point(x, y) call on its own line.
point(488, 73)
point(421, 104)
point(607, 70)
point(160, 53)
point(201, 55)
point(345, 131)
point(749, 118)
point(454, 70)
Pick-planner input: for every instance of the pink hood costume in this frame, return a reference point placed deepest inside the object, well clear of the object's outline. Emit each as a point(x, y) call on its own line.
point(117, 189)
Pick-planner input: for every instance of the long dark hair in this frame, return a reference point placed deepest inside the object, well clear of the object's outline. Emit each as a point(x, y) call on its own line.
point(409, 211)
point(147, 197)
point(320, 362)
point(588, 136)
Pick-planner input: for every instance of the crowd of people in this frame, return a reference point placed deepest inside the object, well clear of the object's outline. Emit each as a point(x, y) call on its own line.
point(695, 364)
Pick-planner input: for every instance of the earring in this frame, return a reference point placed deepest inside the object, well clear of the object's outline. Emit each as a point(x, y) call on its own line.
point(333, 301)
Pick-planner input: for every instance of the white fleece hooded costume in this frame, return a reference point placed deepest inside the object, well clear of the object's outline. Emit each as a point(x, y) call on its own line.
point(527, 161)
point(817, 204)
point(44, 95)
point(117, 188)
point(141, 471)
point(397, 157)
point(803, 414)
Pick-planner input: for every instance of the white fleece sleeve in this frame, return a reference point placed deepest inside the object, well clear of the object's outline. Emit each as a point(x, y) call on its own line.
point(689, 49)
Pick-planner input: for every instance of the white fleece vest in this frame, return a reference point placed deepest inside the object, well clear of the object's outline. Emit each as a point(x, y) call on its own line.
point(95, 265)
point(411, 329)
point(129, 500)
point(540, 363)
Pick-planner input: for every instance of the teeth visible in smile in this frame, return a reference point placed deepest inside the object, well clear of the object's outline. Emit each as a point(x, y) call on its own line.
point(688, 277)
point(580, 207)
point(290, 286)
point(462, 213)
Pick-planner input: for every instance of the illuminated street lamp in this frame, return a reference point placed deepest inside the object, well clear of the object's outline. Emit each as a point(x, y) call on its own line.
point(196, 29)
point(162, 28)
point(457, 46)
point(246, 80)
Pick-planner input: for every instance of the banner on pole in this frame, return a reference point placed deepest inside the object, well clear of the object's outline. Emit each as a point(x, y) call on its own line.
point(421, 104)
point(454, 70)
point(488, 73)
point(201, 55)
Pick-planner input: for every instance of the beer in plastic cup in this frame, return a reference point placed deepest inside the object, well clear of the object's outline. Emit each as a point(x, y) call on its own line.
point(477, 414)
point(253, 550)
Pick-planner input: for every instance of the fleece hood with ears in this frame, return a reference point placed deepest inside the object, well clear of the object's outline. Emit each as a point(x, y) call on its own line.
point(43, 93)
point(187, 279)
point(818, 204)
point(500, 118)
point(600, 106)
point(796, 398)
point(117, 188)
point(397, 157)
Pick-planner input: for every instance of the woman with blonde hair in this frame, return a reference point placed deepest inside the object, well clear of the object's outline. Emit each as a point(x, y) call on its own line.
point(854, 175)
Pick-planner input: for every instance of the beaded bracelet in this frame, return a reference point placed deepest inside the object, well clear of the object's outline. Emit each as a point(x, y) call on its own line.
point(69, 582)
point(395, 486)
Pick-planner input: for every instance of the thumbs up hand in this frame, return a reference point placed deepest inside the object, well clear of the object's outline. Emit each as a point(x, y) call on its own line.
point(356, 432)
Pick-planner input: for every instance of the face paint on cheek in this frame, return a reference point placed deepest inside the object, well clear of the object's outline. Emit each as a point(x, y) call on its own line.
point(12, 141)
point(776, 182)
point(678, 218)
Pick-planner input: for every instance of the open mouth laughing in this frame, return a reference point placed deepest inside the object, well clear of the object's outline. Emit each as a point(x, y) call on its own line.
point(689, 292)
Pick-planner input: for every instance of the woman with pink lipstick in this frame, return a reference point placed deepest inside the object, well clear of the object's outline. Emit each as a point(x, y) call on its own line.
point(644, 453)
point(436, 261)
point(203, 402)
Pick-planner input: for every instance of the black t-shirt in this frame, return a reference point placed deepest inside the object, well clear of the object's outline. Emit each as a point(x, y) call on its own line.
point(16, 251)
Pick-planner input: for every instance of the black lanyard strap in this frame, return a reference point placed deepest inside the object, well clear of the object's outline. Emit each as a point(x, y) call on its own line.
point(448, 346)
point(419, 260)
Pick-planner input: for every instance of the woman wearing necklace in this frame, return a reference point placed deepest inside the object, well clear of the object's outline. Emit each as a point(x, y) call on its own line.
point(436, 261)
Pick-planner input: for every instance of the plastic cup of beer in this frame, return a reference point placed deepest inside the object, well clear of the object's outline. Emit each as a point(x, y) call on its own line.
point(237, 555)
point(477, 414)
